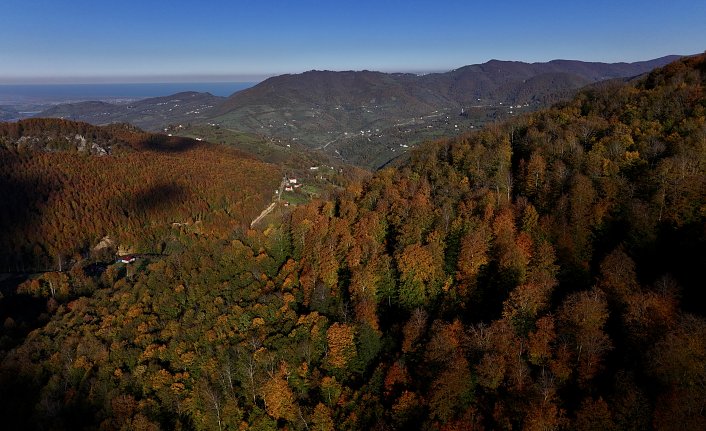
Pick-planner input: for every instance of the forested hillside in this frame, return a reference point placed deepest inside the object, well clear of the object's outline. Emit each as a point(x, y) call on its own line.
point(364, 118)
point(369, 118)
point(66, 185)
point(540, 274)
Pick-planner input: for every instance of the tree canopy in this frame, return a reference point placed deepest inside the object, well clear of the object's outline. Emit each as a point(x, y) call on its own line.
point(543, 273)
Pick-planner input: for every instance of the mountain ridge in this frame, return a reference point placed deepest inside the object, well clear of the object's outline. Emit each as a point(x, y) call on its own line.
point(540, 273)
point(152, 114)
point(368, 117)
point(344, 112)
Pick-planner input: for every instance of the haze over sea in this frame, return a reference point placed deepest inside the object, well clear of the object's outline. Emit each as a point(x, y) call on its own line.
point(11, 94)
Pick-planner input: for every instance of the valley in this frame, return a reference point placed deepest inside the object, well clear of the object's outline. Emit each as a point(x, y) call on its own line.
point(352, 216)
point(503, 266)
point(332, 112)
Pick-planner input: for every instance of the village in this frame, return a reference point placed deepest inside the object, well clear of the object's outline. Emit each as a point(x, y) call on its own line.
point(299, 189)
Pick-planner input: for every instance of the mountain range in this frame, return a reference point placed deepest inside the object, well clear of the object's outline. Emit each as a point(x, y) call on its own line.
point(542, 273)
point(368, 118)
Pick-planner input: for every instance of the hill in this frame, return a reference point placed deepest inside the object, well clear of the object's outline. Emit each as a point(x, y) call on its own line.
point(542, 273)
point(367, 118)
point(346, 112)
point(152, 114)
point(503, 81)
point(66, 185)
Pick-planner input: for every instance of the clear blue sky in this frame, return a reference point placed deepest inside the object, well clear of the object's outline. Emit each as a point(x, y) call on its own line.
point(158, 40)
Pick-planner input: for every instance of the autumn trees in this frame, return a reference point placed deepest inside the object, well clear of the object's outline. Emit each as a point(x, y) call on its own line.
point(58, 203)
point(534, 275)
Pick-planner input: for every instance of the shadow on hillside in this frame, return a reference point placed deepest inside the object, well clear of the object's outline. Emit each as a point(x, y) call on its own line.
point(20, 313)
point(681, 252)
point(169, 144)
point(20, 195)
point(17, 389)
point(158, 197)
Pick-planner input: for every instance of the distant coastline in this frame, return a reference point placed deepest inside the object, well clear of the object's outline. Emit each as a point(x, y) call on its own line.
point(15, 94)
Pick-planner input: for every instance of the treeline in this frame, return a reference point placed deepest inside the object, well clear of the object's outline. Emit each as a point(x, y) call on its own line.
point(59, 198)
point(540, 274)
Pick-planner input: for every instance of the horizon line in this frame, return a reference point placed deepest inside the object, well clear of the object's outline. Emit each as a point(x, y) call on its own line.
point(248, 77)
point(131, 79)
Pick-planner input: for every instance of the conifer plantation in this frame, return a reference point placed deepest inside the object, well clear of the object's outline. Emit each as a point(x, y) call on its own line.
point(544, 273)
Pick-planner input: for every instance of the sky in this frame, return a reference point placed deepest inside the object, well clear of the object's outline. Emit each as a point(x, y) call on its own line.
point(77, 41)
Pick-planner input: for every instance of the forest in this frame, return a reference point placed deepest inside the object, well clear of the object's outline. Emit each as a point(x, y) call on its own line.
point(539, 274)
point(67, 185)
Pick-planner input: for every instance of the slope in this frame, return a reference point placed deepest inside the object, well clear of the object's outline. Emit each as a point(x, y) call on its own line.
point(66, 185)
point(360, 112)
point(150, 114)
point(544, 273)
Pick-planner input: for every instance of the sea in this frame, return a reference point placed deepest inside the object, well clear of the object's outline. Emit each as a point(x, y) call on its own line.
point(11, 94)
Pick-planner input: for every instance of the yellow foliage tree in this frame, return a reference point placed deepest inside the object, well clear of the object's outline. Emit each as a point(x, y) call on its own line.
point(341, 345)
point(278, 397)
